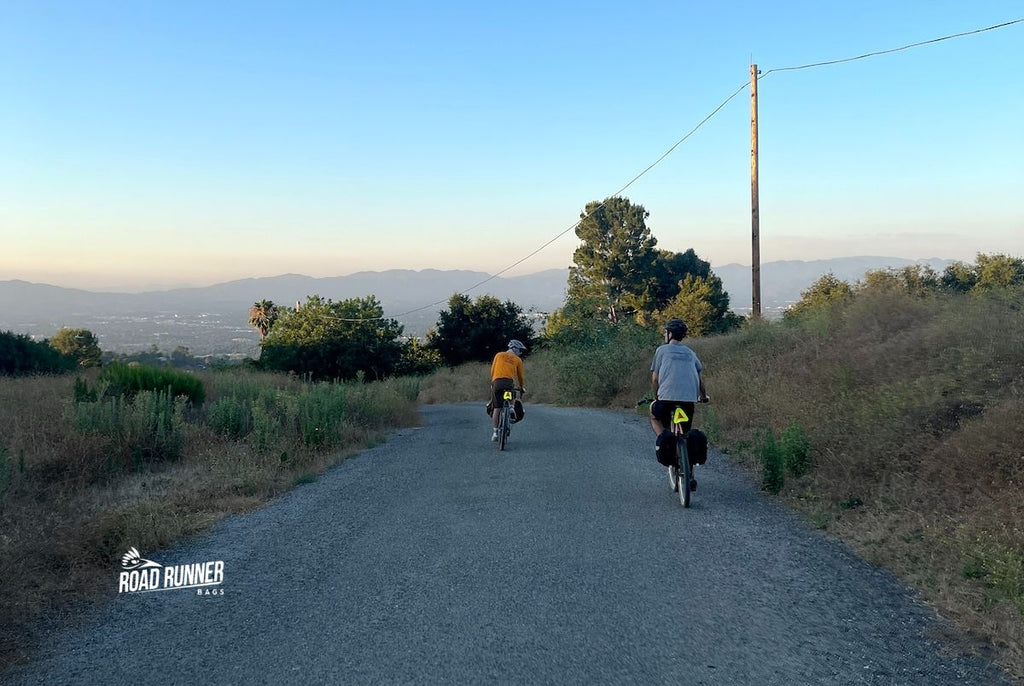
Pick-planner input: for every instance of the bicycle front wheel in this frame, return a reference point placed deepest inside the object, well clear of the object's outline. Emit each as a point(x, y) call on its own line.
point(685, 475)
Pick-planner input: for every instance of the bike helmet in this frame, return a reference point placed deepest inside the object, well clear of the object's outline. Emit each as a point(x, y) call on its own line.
point(516, 346)
point(676, 327)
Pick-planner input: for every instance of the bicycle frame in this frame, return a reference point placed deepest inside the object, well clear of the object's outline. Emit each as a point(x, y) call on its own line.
point(505, 416)
point(684, 470)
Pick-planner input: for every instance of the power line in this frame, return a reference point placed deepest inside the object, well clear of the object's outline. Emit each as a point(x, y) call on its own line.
point(891, 50)
point(682, 140)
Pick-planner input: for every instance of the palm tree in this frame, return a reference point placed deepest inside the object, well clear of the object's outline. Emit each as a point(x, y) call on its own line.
point(262, 315)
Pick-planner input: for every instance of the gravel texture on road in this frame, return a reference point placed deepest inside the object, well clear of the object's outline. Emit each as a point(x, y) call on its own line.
point(434, 558)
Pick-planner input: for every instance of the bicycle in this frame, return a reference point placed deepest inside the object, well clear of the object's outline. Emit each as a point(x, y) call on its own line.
point(505, 417)
point(681, 480)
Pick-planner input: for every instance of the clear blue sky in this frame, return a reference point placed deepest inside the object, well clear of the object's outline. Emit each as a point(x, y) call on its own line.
point(148, 144)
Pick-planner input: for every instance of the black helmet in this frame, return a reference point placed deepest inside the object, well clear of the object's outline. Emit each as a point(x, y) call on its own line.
point(676, 327)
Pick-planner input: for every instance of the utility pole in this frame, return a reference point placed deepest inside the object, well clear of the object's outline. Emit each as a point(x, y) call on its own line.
point(755, 224)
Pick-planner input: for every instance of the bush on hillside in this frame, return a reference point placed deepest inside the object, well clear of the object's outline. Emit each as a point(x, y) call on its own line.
point(596, 360)
point(129, 379)
point(21, 356)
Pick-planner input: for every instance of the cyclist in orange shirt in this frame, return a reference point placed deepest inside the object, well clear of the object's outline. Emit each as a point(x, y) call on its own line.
point(506, 371)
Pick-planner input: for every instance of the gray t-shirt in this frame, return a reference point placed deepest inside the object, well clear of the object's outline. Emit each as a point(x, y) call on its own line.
point(678, 372)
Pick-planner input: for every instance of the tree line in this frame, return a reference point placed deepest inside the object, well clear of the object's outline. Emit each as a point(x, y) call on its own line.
point(988, 275)
point(618, 278)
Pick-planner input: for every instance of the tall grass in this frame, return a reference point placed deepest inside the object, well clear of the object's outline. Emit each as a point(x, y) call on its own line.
point(129, 379)
point(86, 471)
point(901, 425)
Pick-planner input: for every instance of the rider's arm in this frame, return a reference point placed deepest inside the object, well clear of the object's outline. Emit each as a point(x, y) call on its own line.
point(654, 384)
point(519, 372)
point(703, 391)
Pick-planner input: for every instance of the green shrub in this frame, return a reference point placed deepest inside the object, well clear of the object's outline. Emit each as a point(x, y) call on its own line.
point(148, 427)
point(596, 360)
point(269, 419)
point(125, 379)
point(770, 454)
point(796, 449)
point(84, 394)
point(321, 408)
point(712, 425)
point(230, 416)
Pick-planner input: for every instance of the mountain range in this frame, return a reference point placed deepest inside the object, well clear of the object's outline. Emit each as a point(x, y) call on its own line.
point(213, 319)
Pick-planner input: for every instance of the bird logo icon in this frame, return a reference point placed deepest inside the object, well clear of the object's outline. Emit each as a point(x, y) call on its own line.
point(132, 561)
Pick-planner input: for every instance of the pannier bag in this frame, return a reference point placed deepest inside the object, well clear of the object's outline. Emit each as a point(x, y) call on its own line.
point(697, 446)
point(490, 407)
point(518, 411)
point(666, 450)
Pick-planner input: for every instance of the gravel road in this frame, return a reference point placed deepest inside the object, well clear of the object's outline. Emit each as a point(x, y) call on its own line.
point(435, 559)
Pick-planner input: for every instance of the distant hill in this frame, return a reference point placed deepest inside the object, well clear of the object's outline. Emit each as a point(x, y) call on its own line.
point(214, 319)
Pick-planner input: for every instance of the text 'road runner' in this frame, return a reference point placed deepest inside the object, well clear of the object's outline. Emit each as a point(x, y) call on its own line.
point(145, 575)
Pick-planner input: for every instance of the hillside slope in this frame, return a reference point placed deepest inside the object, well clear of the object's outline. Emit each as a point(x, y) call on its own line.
point(913, 407)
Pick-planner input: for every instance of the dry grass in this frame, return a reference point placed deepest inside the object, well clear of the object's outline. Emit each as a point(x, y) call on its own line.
point(914, 409)
point(471, 382)
point(65, 519)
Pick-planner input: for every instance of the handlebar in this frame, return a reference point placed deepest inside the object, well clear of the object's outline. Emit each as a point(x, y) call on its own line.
point(648, 400)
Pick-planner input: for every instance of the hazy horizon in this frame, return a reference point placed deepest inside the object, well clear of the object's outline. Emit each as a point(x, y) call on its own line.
point(144, 288)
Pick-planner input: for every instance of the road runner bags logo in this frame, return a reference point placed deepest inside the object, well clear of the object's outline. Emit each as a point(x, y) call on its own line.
point(142, 576)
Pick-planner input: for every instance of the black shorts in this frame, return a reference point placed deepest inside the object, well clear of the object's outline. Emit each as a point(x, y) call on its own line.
point(663, 410)
point(498, 388)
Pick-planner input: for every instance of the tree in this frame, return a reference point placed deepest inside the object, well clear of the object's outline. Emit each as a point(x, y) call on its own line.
point(20, 356)
point(998, 271)
point(916, 279)
point(959, 277)
point(334, 340)
point(417, 358)
point(262, 315)
point(671, 269)
point(80, 344)
point(821, 294)
point(475, 331)
point(613, 267)
point(702, 304)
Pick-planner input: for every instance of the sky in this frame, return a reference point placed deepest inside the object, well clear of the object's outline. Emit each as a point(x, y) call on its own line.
point(149, 145)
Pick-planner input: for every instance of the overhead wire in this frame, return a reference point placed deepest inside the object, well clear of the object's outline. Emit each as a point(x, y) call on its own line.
point(680, 142)
point(891, 50)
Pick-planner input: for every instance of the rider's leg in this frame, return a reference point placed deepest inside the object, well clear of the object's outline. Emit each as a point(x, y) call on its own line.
point(657, 426)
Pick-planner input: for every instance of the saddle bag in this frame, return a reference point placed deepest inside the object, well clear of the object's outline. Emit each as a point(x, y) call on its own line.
point(697, 446)
point(666, 449)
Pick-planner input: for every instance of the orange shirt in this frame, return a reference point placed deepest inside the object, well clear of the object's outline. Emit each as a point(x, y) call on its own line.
point(507, 365)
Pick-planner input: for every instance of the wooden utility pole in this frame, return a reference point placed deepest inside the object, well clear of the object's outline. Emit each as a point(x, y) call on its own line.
point(755, 226)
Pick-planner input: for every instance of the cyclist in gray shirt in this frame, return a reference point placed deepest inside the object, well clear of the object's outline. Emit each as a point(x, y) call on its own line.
point(675, 379)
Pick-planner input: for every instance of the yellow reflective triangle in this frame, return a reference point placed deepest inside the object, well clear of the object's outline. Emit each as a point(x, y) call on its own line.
point(680, 416)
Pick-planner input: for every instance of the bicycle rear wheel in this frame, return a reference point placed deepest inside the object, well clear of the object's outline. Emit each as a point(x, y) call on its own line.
point(685, 474)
